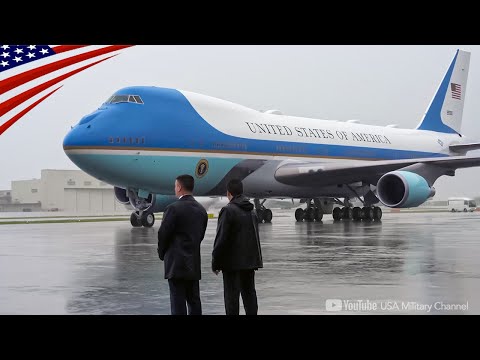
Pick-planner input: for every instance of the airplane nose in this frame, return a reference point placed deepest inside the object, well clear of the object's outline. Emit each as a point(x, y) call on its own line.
point(85, 134)
point(74, 137)
point(88, 118)
point(69, 139)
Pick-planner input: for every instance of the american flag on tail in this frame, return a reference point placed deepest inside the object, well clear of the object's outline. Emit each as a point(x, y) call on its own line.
point(456, 91)
point(31, 73)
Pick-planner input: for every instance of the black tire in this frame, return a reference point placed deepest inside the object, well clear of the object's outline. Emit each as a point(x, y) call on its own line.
point(357, 213)
point(464, 210)
point(267, 214)
point(368, 213)
point(299, 215)
point(337, 213)
point(347, 213)
point(134, 220)
point(377, 213)
point(148, 219)
point(318, 215)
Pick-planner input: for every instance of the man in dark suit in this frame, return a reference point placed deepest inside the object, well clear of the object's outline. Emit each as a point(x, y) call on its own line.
point(237, 252)
point(179, 237)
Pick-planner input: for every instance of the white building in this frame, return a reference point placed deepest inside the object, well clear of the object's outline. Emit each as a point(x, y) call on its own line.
point(67, 190)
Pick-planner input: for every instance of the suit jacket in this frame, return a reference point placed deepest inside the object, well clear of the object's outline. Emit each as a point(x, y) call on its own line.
point(179, 237)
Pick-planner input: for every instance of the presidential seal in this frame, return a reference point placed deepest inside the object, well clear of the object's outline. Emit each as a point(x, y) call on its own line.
point(202, 168)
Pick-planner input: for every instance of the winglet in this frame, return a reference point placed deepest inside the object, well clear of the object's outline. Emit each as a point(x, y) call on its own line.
point(446, 109)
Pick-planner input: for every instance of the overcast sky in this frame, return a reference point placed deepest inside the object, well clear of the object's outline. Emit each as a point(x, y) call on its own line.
point(378, 85)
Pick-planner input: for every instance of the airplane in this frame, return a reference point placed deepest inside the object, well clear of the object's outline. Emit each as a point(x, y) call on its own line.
point(143, 137)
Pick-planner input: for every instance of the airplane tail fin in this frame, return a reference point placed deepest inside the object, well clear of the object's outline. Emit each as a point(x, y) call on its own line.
point(446, 109)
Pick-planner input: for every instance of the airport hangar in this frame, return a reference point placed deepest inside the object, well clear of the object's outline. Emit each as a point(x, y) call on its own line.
point(63, 190)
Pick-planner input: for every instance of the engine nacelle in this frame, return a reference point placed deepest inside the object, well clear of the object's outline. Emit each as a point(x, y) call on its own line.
point(403, 189)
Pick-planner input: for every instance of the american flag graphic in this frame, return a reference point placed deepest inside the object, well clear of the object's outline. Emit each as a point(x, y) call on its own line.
point(31, 73)
point(456, 91)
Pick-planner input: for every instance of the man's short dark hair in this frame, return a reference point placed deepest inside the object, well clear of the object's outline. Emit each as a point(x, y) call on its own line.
point(235, 187)
point(187, 182)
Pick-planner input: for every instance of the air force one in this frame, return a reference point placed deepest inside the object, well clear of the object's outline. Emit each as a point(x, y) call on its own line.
point(143, 137)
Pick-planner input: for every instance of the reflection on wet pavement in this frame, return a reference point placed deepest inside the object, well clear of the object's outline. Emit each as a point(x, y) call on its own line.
point(410, 260)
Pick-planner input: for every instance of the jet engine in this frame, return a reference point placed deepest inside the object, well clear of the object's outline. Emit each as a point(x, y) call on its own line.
point(403, 189)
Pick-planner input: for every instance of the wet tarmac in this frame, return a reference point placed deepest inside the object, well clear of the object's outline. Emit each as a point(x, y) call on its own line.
point(420, 263)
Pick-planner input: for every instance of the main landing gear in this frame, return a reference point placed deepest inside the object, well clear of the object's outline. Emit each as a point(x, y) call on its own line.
point(316, 208)
point(367, 212)
point(357, 213)
point(313, 212)
point(264, 214)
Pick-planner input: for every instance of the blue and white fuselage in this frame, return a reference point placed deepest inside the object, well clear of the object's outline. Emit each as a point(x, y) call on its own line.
point(148, 145)
point(142, 138)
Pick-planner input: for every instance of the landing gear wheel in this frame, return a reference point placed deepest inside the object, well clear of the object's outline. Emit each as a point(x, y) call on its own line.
point(337, 214)
point(347, 213)
point(367, 213)
point(357, 213)
point(299, 214)
point(135, 220)
point(318, 215)
point(377, 213)
point(148, 219)
point(267, 215)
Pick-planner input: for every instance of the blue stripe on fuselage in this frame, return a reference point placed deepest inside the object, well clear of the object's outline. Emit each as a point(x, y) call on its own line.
point(153, 173)
point(167, 120)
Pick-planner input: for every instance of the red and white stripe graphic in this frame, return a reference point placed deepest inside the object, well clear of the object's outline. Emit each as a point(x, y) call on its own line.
point(24, 87)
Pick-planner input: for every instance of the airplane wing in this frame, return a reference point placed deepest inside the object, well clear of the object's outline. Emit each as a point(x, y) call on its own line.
point(320, 174)
point(464, 147)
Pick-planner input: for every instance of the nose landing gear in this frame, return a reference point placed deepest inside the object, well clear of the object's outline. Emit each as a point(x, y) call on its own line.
point(142, 218)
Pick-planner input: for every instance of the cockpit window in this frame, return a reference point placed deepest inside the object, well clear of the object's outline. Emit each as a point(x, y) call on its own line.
point(124, 98)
